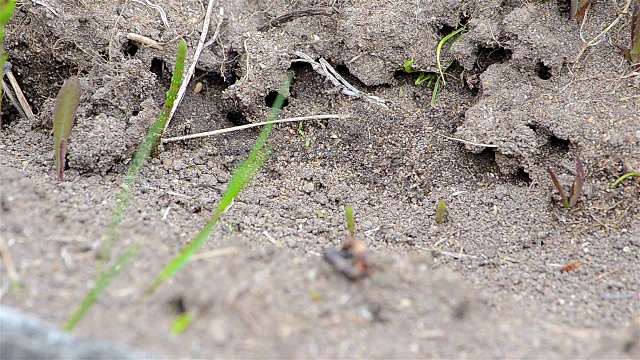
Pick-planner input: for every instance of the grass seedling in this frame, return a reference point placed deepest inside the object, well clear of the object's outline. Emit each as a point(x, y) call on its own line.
point(632, 53)
point(181, 324)
point(623, 177)
point(455, 35)
point(351, 260)
point(433, 78)
point(104, 278)
point(63, 115)
point(6, 11)
point(576, 188)
point(577, 8)
point(103, 281)
point(239, 180)
point(351, 224)
point(441, 209)
point(148, 144)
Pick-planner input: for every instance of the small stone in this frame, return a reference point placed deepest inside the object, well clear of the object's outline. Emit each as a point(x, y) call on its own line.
point(178, 165)
point(626, 249)
point(321, 199)
point(198, 88)
point(308, 187)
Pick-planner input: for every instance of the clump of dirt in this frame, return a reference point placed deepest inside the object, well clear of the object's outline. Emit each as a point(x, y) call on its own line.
point(517, 90)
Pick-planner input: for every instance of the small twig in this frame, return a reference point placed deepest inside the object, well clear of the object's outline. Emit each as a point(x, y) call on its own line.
point(158, 8)
point(214, 38)
point(595, 41)
point(248, 126)
point(192, 68)
point(26, 108)
point(7, 91)
point(325, 69)
point(215, 253)
point(144, 41)
point(456, 255)
point(282, 19)
point(467, 142)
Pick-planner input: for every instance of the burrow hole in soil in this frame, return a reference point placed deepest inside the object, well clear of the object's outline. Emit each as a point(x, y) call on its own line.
point(130, 48)
point(554, 143)
point(177, 305)
point(157, 67)
point(270, 99)
point(237, 118)
point(559, 145)
point(485, 160)
point(522, 176)
point(230, 77)
point(543, 71)
point(211, 80)
point(489, 56)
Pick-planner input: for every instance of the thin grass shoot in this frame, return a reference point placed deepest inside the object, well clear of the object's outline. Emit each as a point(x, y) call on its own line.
point(351, 224)
point(101, 284)
point(241, 177)
point(144, 151)
point(624, 177)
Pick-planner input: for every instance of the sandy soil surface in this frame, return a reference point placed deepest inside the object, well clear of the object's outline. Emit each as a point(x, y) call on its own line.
point(487, 282)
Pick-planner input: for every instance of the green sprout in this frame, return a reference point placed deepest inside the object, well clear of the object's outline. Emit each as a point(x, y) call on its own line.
point(181, 324)
point(623, 177)
point(576, 189)
point(104, 278)
point(351, 224)
point(241, 177)
point(432, 78)
point(63, 115)
point(441, 209)
point(103, 281)
point(144, 151)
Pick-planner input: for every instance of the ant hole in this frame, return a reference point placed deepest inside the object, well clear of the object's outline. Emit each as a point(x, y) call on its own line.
point(523, 176)
point(543, 71)
point(177, 305)
point(237, 118)
point(157, 66)
point(270, 99)
point(559, 144)
point(130, 48)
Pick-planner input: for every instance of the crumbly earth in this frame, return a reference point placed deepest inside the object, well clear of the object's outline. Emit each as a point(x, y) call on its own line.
point(487, 282)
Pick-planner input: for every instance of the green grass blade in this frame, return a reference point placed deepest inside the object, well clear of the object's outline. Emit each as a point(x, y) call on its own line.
point(63, 115)
point(351, 224)
point(439, 50)
point(141, 156)
point(623, 177)
point(441, 209)
point(407, 66)
point(434, 94)
point(181, 324)
point(101, 284)
point(241, 177)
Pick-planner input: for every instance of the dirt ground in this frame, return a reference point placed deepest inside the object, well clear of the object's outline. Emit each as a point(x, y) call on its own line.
point(486, 283)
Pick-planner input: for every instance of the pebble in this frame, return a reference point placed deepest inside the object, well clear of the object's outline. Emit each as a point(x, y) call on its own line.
point(308, 187)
